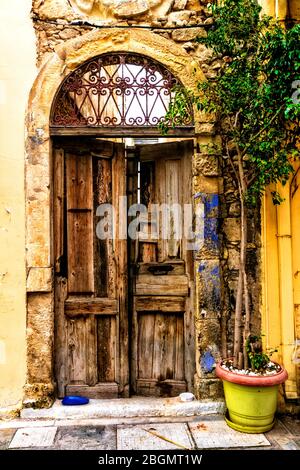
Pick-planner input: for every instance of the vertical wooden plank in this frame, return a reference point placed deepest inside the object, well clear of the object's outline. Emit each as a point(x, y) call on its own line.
point(106, 348)
point(134, 351)
point(186, 150)
point(179, 349)
point(148, 252)
point(147, 183)
point(133, 253)
point(79, 223)
point(79, 181)
point(80, 252)
point(168, 346)
point(91, 350)
point(158, 366)
point(173, 199)
point(120, 251)
point(104, 275)
point(77, 346)
point(58, 208)
point(160, 198)
point(146, 324)
point(60, 338)
point(189, 339)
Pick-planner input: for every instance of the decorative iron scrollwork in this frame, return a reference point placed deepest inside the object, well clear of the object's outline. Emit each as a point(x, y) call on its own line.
point(116, 90)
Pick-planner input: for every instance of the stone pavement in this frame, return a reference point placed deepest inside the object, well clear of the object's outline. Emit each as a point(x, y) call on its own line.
point(154, 433)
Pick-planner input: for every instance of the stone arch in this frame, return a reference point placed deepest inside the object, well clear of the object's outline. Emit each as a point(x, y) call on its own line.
point(40, 298)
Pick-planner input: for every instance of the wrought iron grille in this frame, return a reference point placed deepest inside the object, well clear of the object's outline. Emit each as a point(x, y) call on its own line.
point(116, 90)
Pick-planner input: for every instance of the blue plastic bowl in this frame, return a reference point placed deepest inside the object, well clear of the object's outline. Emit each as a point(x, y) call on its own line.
point(70, 400)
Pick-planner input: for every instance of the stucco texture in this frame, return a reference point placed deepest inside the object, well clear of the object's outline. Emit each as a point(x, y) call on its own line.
point(17, 66)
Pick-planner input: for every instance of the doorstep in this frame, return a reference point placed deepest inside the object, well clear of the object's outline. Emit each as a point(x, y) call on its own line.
point(126, 408)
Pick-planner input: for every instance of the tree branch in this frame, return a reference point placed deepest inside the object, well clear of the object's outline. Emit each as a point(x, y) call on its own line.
point(265, 127)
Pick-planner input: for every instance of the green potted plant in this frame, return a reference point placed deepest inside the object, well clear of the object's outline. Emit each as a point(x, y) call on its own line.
point(258, 121)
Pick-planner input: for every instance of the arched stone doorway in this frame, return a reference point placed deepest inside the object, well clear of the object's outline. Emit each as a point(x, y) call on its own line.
point(123, 301)
point(40, 385)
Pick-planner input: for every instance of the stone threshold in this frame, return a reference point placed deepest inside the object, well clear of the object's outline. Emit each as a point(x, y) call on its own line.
point(126, 408)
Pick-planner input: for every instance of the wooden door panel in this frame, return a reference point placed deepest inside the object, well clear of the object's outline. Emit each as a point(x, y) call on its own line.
point(80, 231)
point(94, 306)
point(160, 354)
point(91, 278)
point(167, 348)
point(80, 348)
point(148, 284)
point(160, 304)
point(162, 326)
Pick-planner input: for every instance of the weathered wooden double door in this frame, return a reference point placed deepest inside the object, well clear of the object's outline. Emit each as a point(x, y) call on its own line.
point(123, 307)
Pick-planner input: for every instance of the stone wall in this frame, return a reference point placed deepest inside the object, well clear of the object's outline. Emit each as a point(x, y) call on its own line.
point(59, 23)
point(56, 21)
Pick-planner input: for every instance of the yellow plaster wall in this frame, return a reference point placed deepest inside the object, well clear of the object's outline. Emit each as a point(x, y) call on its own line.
point(281, 283)
point(282, 8)
point(17, 71)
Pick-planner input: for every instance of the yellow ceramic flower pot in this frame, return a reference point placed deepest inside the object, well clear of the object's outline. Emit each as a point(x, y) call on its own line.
point(251, 400)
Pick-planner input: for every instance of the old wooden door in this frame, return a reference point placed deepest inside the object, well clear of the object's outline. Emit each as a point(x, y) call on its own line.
point(162, 358)
point(91, 324)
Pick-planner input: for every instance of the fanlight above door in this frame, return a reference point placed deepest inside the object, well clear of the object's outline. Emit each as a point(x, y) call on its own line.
point(119, 90)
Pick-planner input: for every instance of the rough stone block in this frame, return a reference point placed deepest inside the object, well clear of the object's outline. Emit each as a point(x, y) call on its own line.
point(179, 5)
point(39, 279)
point(206, 184)
point(211, 389)
point(194, 5)
point(188, 34)
point(235, 209)
point(233, 259)
point(204, 53)
point(68, 33)
point(232, 229)
point(206, 128)
point(38, 395)
point(40, 337)
point(207, 165)
point(176, 16)
point(208, 288)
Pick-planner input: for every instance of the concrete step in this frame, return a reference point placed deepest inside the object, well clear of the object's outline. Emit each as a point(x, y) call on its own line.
point(126, 408)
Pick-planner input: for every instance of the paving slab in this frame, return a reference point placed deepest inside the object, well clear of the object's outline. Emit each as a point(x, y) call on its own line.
point(21, 423)
point(6, 436)
point(278, 430)
point(154, 437)
point(86, 438)
point(215, 434)
point(286, 443)
point(33, 437)
point(292, 424)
